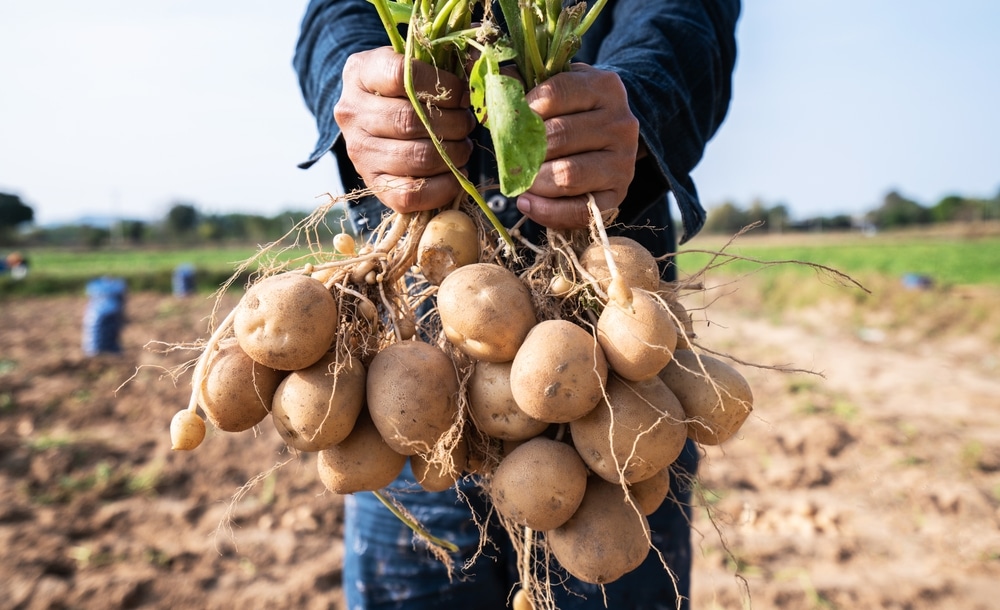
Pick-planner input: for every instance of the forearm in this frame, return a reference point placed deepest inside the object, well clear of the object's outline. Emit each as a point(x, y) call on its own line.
point(332, 30)
point(677, 67)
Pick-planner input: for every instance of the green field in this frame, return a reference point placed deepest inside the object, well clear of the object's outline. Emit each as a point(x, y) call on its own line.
point(947, 260)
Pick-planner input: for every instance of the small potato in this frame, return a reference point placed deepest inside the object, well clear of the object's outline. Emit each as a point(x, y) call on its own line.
point(605, 539)
point(237, 391)
point(449, 241)
point(635, 432)
point(540, 484)
point(635, 263)
point(650, 493)
point(286, 321)
point(361, 462)
point(441, 475)
point(412, 395)
point(486, 311)
point(316, 408)
point(716, 405)
point(638, 341)
point(493, 408)
point(558, 374)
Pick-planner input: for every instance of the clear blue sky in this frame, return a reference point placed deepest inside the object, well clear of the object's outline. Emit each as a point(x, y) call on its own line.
point(115, 107)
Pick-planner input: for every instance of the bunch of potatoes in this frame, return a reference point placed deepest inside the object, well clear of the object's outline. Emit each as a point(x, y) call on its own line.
point(570, 424)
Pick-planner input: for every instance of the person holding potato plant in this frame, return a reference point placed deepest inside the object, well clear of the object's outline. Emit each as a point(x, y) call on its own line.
point(649, 85)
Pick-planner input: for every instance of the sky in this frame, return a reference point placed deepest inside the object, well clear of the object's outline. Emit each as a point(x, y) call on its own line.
point(117, 108)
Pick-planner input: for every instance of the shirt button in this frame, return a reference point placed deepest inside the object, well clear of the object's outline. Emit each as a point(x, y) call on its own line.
point(497, 202)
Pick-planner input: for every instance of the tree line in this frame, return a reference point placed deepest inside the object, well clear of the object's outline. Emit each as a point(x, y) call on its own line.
point(184, 224)
point(894, 212)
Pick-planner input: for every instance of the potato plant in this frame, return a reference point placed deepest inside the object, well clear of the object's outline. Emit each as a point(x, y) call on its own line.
point(562, 377)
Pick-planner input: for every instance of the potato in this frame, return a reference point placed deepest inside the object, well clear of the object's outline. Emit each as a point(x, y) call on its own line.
point(493, 408)
point(286, 321)
point(361, 462)
point(685, 329)
point(716, 405)
point(412, 395)
point(638, 341)
point(237, 391)
point(634, 262)
point(449, 241)
point(440, 475)
point(605, 539)
point(559, 372)
point(540, 484)
point(486, 311)
point(315, 408)
point(650, 493)
point(635, 432)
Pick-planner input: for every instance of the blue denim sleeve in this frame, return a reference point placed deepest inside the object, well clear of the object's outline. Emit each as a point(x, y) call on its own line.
point(331, 31)
point(676, 59)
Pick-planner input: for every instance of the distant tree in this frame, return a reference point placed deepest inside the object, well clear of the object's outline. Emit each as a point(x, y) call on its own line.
point(13, 213)
point(182, 219)
point(726, 218)
point(898, 211)
point(134, 231)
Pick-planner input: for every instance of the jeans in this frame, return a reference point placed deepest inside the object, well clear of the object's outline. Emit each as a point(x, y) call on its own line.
point(387, 567)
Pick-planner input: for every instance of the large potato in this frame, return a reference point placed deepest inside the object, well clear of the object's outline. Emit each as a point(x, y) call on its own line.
point(558, 375)
point(716, 401)
point(635, 432)
point(634, 262)
point(539, 484)
point(412, 395)
point(493, 408)
point(361, 462)
point(286, 321)
point(316, 407)
point(237, 391)
point(486, 311)
point(638, 340)
point(605, 539)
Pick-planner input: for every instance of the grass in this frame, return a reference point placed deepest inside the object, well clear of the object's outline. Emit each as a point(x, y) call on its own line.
point(946, 260)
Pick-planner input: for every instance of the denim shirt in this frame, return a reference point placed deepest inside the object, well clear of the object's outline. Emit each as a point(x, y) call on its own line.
point(675, 58)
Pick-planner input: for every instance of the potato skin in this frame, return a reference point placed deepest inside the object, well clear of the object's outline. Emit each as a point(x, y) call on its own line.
point(634, 262)
point(638, 342)
point(486, 311)
point(493, 408)
point(361, 462)
point(539, 484)
point(605, 539)
point(559, 373)
point(439, 476)
point(286, 321)
point(412, 395)
point(316, 407)
point(635, 431)
point(714, 416)
point(237, 391)
point(650, 493)
point(449, 241)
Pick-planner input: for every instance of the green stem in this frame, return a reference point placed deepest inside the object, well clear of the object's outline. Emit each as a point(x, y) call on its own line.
point(590, 18)
point(450, 546)
point(418, 107)
point(385, 14)
point(534, 59)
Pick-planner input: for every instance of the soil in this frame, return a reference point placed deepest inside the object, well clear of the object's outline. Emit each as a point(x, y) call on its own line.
point(876, 485)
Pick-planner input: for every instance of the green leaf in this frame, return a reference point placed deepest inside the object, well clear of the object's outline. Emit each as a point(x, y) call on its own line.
point(518, 133)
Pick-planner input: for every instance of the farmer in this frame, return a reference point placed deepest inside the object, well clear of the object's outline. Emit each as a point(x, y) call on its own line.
point(628, 124)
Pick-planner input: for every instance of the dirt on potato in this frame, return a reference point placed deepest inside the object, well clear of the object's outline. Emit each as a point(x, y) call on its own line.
point(875, 486)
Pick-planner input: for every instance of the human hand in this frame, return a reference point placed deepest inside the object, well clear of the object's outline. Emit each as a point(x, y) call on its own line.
point(385, 139)
point(593, 139)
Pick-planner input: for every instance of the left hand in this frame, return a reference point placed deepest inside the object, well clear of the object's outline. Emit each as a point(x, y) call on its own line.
point(593, 140)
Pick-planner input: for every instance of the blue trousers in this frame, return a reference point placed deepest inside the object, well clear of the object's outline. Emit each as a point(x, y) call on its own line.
point(385, 567)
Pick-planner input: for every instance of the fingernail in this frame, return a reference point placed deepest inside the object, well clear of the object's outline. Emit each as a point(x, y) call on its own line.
point(524, 205)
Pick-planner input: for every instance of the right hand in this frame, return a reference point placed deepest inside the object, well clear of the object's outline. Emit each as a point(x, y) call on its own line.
point(386, 141)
